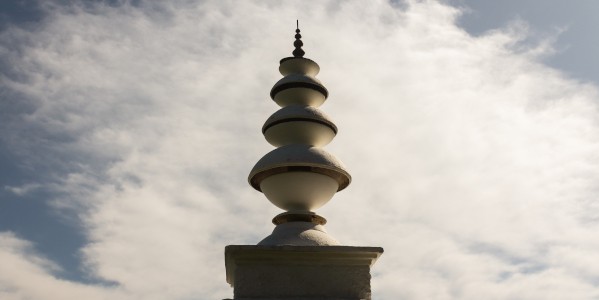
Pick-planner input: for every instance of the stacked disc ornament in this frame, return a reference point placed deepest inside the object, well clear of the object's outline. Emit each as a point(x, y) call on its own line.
point(299, 176)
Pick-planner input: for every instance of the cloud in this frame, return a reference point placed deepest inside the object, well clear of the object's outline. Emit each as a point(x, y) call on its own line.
point(25, 275)
point(23, 189)
point(474, 165)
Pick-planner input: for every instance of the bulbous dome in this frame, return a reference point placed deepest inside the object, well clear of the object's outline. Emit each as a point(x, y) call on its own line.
point(299, 158)
point(298, 65)
point(299, 89)
point(296, 124)
point(299, 234)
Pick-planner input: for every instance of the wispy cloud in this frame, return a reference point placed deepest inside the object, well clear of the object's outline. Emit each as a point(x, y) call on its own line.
point(22, 189)
point(474, 165)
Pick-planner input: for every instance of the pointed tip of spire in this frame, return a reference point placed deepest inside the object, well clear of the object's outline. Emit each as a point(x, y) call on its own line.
point(298, 52)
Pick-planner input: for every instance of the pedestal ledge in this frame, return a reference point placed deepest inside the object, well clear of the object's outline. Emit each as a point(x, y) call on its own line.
point(300, 272)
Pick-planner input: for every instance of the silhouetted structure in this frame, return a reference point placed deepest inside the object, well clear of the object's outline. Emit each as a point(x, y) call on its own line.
point(299, 260)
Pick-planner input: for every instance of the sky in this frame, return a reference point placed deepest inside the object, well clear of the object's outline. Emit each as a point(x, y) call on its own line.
point(128, 129)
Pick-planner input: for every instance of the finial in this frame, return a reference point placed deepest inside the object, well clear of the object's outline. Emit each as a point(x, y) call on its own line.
point(298, 52)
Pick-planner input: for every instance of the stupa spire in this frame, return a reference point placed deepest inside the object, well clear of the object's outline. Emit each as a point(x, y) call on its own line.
point(299, 259)
point(298, 52)
point(299, 176)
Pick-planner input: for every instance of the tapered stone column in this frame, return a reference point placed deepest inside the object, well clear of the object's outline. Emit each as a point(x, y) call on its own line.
point(299, 259)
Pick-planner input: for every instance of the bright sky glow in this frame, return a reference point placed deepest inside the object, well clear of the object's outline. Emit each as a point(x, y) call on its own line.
point(127, 132)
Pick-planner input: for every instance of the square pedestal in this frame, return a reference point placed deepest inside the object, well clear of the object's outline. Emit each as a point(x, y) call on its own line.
point(300, 272)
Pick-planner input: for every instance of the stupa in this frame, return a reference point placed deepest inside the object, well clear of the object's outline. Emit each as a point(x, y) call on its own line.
point(299, 259)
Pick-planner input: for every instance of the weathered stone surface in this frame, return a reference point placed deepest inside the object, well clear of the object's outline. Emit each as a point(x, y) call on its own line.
point(300, 272)
point(299, 234)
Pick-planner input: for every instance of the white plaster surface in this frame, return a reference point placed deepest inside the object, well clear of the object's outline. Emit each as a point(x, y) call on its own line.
point(299, 132)
point(300, 65)
point(299, 96)
point(299, 234)
point(300, 155)
point(303, 191)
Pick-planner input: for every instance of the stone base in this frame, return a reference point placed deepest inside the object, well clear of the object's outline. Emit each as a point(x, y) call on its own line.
point(300, 272)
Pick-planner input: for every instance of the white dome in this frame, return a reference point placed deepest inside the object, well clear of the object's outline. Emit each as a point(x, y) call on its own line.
point(299, 234)
point(297, 124)
point(299, 158)
point(299, 65)
point(299, 89)
point(299, 191)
